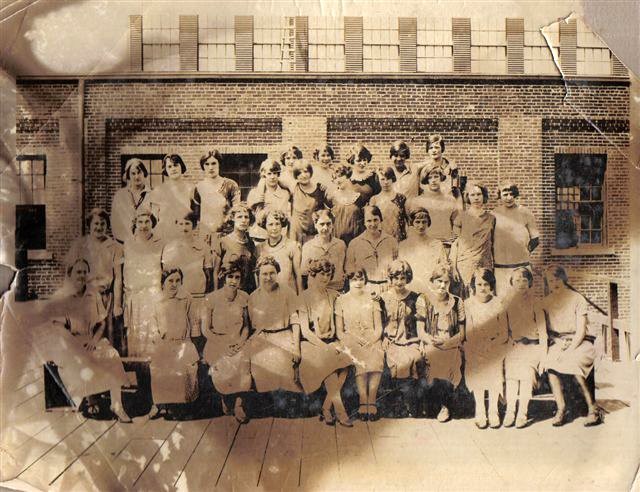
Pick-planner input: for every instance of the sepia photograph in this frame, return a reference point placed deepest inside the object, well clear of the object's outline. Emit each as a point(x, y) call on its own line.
point(335, 245)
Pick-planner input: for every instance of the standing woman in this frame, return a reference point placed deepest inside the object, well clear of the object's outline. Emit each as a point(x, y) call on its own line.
point(347, 205)
point(527, 346)
point(226, 327)
point(237, 245)
point(275, 345)
point(214, 195)
point(571, 349)
point(359, 327)
point(435, 150)
point(443, 336)
point(131, 197)
point(407, 176)
point(268, 195)
point(323, 165)
point(286, 251)
point(307, 197)
point(484, 346)
point(141, 272)
point(372, 250)
point(391, 204)
point(325, 245)
point(287, 159)
point(174, 358)
point(474, 229)
point(365, 181)
point(323, 358)
point(174, 197)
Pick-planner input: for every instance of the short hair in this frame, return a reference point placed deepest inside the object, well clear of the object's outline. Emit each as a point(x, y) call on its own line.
point(241, 207)
point(137, 163)
point(295, 151)
point(176, 159)
point(373, 210)
point(358, 273)
point(320, 265)
point(508, 187)
point(270, 165)
point(342, 170)
point(327, 149)
point(400, 267)
point(148, 213)
point(389, 173)
point(435, 139)
point(72, 265)
point(323, 212)
point(557, 271)
point(419, 212)
point(279, 215)
point(267, 260)
point(441, 271)
point(300, 166)
point(98, 212)
point(400, 149)
point(483, 189)
point(360, 153)
point(524, 272)
point(484, 274)
point(212, 153)
point(229, 267)
point(191, 217)
point(429, 169)
point(168, 272)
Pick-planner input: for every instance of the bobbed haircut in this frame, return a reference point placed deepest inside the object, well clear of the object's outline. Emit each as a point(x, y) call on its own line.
point(267, 260)
point(168, 272)
point(241, 207)
point(299, 166)
point(400, 149)
point(176, 159)
point(389, 173)
point(400, 267)
point(229, 267)
point(270, 165)
point(99, 213)
point(280, 216)
point(373, 210)
point(484, 274)
point(73, 264)
point(327, 149)
point(435, 139)
point(342, 170)
point(357, 274)
point(556, 271)
point(419, 212)
point(294, 151)
point(522, 272)
point(137, 164)
point(508, 187)
point(483, 189)
point(428, 171)
point(191, 217)
point(323, 212)
point(321, 265)
point(215, 154)
point(147, 213)
point(359, 153)
point(441, 271)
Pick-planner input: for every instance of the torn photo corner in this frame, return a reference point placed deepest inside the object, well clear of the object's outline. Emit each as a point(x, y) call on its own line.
point(284, 245)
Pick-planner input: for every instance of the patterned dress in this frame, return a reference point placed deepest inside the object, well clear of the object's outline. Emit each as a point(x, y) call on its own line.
point(214, 200)
point(393, 214)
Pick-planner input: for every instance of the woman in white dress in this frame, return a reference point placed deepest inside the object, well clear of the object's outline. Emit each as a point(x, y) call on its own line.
point(323, 358)
point(571, 350)
point(226, 327)
point(174, 358)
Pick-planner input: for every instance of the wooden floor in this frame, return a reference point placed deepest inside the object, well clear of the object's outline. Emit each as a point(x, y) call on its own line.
point(63, 451)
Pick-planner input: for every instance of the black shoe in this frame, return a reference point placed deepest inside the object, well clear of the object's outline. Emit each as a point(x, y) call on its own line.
point(560, 419)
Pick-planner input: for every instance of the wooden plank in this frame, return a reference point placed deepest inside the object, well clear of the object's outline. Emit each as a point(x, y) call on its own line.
point(244, 464)
point(205, 465)
point(165, 468)
point(320, 468)
point(90, 472)
point(134, 459)
point(356, 455)
point(281, 466)
point(20, 433)
point(115, 440)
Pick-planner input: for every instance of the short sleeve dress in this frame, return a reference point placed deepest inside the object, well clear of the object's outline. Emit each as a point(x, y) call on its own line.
point(214, 200)
point(393, 214)
point(474, 244)
point(526, 321)
point(230, 247)
point(303, 205)
point(285, 253)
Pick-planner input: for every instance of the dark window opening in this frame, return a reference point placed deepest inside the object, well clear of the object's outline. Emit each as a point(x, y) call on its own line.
point(244, 169)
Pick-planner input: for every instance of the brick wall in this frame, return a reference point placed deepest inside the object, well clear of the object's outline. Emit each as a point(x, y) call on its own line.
point(494, 129)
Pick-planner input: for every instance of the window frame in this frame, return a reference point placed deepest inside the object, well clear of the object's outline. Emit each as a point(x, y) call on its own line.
point(42, 253)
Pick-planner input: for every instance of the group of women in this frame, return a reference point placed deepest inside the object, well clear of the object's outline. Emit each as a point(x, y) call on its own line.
point(327, 266)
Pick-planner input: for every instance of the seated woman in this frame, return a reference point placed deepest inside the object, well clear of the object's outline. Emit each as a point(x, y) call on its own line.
point(484, 346)
point(473, 228)
point(442, 337)
point(404, 318)
point(174, 358)
point(325, 246)
point(571, 349)
point(87, 363)
point(359, 328)
point(286, 251)
point(421, 251)
point(347, 205)
point(226, 327)
point(307, 196)
point(527, 346)
point(275, 344)
point(364, 180)
point(323, 356)
point(391, 204)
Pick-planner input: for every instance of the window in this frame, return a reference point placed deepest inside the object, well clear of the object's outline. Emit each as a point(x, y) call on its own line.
point(273, 42)
point(31, 229)
point(216, 49)
point(153, 163)
point(434, 45)
point(244, 169)
point(380, 50)
point(326, 44)
point(161, 43)
point(580, 200)
point(32, 170)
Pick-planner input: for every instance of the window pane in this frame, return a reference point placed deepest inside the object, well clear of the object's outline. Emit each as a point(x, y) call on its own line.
point(37, 167)
point(596, 193)
point(585, 193)
point(38, 182)
point(585, 222)
point(585, 237)
point(596, 237)
point(25, 167)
